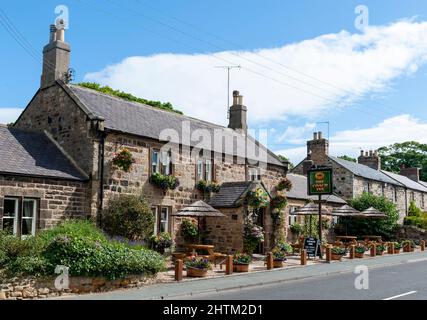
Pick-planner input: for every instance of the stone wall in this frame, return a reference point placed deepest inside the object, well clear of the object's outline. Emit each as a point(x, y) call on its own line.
point(38, 288)
point(411, 232)
point(58, 199)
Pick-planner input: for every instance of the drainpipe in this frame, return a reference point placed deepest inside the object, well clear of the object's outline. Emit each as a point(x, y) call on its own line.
point(102, 135)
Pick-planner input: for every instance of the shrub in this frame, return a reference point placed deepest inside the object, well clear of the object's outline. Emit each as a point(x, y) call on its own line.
point(28, 265)
point(419, 221)
point(77, 228)
point(382, 227)
point(164, 182)
point(189, 230)
point(198, 263)
point(242, 258)
point(86, 257)
point(413, 210)
point(128, 216)
point(278, 255)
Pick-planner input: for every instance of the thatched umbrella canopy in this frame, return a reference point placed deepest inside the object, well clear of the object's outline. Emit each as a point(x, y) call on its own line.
point(199, 209)
point(345, 211)
point(311, 209)
point(373, 213)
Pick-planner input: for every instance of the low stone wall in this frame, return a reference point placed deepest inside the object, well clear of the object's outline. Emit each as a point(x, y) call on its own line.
point(37, 288)
point(411, 232)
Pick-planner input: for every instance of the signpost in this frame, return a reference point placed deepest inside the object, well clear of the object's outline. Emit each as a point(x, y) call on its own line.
point(320, 183)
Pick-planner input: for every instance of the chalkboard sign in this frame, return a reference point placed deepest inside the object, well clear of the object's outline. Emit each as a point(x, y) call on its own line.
point(312, 245)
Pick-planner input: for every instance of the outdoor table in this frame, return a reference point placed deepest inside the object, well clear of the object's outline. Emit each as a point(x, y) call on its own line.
point(195, 247)
point(346, 238)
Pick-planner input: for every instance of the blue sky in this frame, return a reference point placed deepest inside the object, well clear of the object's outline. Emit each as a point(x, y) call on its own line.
point(145, 47)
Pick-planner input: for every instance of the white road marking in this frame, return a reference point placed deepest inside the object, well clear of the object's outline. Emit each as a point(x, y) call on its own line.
point(401, 295)
point(416, 260)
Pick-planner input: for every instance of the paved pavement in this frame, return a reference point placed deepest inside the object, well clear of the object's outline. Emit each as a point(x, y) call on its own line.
point(315, 281)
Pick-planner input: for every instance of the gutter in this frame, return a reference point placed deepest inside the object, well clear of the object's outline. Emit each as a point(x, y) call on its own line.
point(103, 135)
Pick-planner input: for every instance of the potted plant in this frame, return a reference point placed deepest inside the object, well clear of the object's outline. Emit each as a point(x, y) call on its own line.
point(284, 247)
point(359, 251)
point(197, 267)
point(241, 262)
point(164, 182)
point(337, 253)
point(279, 257)
point(189, 230)
point(397, 247)
point(284, 184)
point(408, 246)
point(161, 241)
point(379, 250)
point(258, 198)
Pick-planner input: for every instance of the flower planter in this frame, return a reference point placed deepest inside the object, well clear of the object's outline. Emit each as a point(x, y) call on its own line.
point(335, 256)
point(278, 263)
point(195, 272)
point(359, 255)
point(241, 267)
point(379, 253)
point(396, 251)
point(408, 249)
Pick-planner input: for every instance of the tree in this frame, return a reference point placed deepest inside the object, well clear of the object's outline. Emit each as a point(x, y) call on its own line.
point(363, 226)
point(345, 157)
point(283, 158)
point(410, 153)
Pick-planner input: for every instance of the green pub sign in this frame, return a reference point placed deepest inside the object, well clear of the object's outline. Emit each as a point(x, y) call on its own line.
point(320, 181)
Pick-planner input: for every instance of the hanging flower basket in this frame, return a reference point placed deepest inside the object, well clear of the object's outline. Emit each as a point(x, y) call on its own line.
point(123, 160)
point(284, 184)
point(258, 198)
point(279, 203)
point(208, 186)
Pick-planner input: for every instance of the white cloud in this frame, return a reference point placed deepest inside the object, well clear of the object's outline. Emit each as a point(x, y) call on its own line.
point(8, 115)
point(358, 64)
point(349, 142)
point(295, 135)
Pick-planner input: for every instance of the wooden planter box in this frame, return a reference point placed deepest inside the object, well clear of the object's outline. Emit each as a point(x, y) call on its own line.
point(241, 267)
point(408, 249)
point(379, 253)
point(277, 263)
point(195, 272)
point(396, 251)
point(359, 255)
point(335, 256)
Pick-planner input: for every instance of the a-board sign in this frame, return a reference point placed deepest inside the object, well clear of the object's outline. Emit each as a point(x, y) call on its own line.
point(320, 181)
point(312, 246)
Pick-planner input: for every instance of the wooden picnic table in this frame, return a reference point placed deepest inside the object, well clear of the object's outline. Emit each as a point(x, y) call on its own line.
point(191, 250)
point(346, 238)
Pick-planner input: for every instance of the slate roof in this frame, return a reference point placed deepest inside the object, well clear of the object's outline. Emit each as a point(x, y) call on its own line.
point(299, 190)
point(34, 154)
point(230, 194)
point(147, 121)
point(410, 184)
point(364, 171)
point(424, 183)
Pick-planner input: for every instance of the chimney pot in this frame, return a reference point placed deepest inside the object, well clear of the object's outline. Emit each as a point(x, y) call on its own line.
point(314, 135)
point(319, 135)
point(52, 36)
point(238, 118)
point(361, 153)
point(371, 153)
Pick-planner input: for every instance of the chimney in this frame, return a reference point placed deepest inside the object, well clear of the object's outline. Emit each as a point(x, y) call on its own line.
point(411, 173)
point(306, 165)
point(371, 159)
point(318, 149)
point(238, 114)
point(56, 57)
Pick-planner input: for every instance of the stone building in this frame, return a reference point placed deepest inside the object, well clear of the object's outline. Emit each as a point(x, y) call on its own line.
point(351, 179)
point(88, 128)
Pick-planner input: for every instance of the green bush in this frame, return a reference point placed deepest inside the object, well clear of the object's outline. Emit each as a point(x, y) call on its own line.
point(128, 216)
point(77, 228)
point(381, 227)
point(28, 265)
point(413, 210)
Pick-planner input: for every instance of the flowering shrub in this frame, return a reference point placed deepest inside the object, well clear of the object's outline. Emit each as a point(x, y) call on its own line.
point(253, 235)
point(207, 187)
point(258, 198)
point(284, 184)
point(164, 182)
point(284, 247)
point(123, 159)
point(278, 255)
point(198, 263)
point(161, 241)
point(242, 258)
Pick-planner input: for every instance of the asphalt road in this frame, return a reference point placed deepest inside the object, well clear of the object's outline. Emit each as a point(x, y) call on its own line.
point(399, 282)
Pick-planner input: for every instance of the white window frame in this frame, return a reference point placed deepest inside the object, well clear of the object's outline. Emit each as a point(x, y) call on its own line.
point(292, 219)
point(164, 221)
point(155, 211)
point(33, 217)
point(254, 174)
point(158, 219)
point(161, 162)
point(16, 217)
point(208, 172)
point(155, 165)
